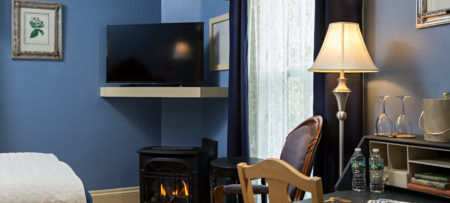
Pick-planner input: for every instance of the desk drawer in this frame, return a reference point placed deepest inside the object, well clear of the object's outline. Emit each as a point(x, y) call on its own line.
point(397, 178)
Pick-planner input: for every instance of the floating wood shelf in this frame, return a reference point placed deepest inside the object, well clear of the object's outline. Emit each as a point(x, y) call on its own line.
point(165, 92)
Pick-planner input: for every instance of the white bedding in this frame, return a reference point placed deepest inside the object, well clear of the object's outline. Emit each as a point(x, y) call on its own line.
point(38, 178)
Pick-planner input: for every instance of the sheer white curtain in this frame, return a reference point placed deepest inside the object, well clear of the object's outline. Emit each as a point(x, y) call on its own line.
point(281, 41)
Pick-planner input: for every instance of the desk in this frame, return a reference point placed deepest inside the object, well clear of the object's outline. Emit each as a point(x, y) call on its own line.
point(402, 160)
point(344, 183)
point(394, 194)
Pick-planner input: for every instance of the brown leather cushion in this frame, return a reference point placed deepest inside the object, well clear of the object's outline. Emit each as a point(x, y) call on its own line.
point(296, 149)
point(236, 189)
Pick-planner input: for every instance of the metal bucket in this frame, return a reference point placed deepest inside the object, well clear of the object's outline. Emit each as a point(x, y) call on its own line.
point(436, 119)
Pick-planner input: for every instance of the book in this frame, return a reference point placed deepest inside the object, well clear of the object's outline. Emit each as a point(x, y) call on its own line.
point(429, 190)
point(381, 200)
point(438, 177)
point(430, 183)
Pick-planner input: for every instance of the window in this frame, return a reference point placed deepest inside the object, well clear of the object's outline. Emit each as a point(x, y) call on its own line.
point(281, 42)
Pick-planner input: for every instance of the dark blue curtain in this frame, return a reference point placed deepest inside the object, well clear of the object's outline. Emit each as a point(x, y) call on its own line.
point(238, 81)
point(327, 158)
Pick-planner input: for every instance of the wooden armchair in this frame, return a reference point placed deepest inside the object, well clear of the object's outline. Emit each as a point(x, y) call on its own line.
point(299, 151)
point(279, 175)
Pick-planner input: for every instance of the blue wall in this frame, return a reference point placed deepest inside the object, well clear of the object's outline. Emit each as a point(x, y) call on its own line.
point(213, 8)
point(181, 10)
point(185, 121)
point(412, 61)
point(55, 107)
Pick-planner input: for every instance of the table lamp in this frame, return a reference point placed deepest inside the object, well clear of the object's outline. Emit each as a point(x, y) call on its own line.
point(343, 51)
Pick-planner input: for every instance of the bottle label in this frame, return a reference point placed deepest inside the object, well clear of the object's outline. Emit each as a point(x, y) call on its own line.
point(358, 165)
point(376, 166)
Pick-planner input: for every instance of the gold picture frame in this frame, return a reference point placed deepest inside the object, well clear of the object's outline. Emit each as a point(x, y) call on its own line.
point(432, 12)
point(36, 30)
point(219, 42)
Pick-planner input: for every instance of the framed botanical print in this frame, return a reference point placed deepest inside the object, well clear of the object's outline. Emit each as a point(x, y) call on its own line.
point(36, 30)
point(219, 42)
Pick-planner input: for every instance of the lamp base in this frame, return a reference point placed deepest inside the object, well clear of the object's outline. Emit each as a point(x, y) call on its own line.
point(341, 92)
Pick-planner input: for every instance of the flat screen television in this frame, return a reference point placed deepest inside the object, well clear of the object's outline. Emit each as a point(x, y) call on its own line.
point(165, 54)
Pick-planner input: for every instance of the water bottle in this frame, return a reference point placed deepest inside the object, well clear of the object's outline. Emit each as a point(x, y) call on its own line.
point(376, 172)
point(359, 171)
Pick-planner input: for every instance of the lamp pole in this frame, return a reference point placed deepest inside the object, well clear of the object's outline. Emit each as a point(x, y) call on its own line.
point(341, 93)
point(343, 51)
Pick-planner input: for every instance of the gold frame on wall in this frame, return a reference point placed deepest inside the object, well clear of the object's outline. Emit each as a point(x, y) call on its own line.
point(16, 30)
point(212, 65)
point(426, 18)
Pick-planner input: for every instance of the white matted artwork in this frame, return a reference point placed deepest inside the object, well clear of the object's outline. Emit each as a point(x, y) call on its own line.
point(219, 42)
point(36, 30)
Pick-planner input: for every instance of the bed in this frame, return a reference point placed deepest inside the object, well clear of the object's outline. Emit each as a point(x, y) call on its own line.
point(39, 177)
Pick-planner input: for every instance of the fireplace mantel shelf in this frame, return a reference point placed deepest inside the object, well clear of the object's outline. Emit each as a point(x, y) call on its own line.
point(165, 92)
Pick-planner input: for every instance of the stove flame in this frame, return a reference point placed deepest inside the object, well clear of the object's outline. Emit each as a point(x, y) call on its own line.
point(163, 191)
point(183, 191)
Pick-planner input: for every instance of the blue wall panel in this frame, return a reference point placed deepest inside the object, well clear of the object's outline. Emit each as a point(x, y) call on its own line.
point(412, 61)
point(181, 10)
point(55, 107)
point(213, 8)
point(185, 121)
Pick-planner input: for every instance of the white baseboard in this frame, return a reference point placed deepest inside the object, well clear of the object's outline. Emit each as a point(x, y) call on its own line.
point(119, 195)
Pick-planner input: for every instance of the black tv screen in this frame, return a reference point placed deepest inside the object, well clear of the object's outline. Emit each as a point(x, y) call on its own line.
point(169, 53)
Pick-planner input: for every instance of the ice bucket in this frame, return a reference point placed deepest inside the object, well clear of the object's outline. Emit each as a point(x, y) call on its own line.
point(436, 119)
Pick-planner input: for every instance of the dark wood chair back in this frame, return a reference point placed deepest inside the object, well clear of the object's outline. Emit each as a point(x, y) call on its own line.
point(300, 148)
point(299, 151)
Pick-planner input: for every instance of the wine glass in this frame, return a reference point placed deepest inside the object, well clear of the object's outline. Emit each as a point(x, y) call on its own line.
point(384, 125)
point(402, 125)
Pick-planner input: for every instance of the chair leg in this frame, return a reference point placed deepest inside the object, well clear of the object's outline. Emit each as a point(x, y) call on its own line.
point(264, 198)
point(218, 194)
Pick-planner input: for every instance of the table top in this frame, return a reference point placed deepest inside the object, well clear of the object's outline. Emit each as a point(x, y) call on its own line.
point(418, 140)
point(231, 162)
point(399, 195)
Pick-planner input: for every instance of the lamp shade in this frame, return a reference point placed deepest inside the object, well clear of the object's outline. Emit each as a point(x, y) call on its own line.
point(343, 50)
